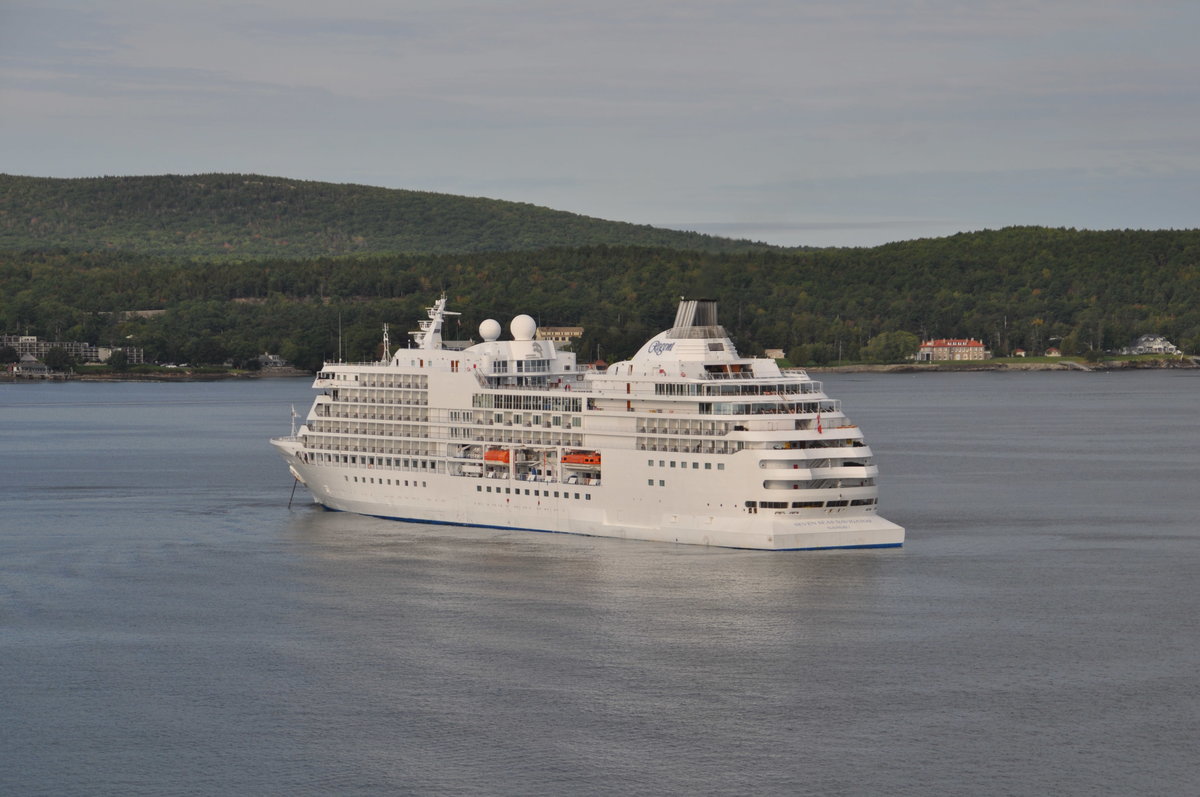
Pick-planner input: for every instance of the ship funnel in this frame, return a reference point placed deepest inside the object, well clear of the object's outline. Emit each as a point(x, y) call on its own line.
point(696, 313)
point(697, 318)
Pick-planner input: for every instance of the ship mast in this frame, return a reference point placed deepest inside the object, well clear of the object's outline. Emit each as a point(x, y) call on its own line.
point(429, 336)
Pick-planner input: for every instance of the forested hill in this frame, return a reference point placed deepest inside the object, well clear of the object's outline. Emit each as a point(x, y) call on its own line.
point(247, 216)
point(1019, 287)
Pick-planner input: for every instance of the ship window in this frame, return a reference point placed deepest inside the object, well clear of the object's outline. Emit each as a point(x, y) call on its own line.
point(862, 502)
point(836, 503)
point(807, 504)
point(751, 504)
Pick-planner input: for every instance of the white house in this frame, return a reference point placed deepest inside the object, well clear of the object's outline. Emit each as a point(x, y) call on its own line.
point(1151, 344)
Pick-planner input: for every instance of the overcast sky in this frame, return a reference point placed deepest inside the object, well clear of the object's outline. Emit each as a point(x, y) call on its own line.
point(819, 122)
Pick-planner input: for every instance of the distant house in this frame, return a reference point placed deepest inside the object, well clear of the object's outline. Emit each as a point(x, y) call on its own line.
point(774, 354)
point(271, 361)
point(1018, 352)
point(29, 368)
point(558, 334)
point(945, 349)
point(1151, 344)
point(1053, 352)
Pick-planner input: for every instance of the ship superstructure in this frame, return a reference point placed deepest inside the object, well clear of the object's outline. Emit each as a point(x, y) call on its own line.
point(685, 442)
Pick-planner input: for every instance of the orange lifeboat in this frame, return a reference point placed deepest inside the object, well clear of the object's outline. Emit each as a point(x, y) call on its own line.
point(582, 458)
point(496, 455)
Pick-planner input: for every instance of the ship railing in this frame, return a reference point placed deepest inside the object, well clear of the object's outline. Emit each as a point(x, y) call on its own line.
point(728, 375)
point(497, 382)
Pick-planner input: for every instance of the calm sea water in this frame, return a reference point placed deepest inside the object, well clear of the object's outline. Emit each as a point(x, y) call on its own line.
point(169, 626)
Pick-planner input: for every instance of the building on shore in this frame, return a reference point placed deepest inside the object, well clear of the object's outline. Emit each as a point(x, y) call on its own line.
point(80, 352)
point(1151, 344)
point(29, 368)
point(562, 335)
point(952, 349)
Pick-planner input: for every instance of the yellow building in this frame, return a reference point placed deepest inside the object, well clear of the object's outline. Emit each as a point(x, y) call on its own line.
point(559, 334)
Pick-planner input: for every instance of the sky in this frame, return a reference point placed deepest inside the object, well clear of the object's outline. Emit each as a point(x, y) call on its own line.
point(795, 122)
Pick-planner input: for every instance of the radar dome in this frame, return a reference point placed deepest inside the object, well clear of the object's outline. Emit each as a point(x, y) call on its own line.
point(522, 327)
point(489, 330)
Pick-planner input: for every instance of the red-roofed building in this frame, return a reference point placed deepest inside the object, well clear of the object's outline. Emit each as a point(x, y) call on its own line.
point(952, 349)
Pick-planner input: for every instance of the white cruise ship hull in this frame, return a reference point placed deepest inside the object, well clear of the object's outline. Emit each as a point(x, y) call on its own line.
point(686, 442)
point(439, 499)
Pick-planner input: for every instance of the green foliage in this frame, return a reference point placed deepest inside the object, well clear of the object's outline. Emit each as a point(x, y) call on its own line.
point(819, 306)
point(118, 361)
point(57, 359)
point(892, 347)
point(242, 216)
point(9, 355)
point(1019, 287)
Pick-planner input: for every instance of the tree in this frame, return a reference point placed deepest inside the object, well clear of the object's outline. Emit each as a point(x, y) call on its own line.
point(118, 361)
point(57, 358)
point(9, 355)
point(892, 347)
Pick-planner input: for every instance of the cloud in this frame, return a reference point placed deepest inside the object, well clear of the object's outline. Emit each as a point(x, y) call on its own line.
point(638, 111)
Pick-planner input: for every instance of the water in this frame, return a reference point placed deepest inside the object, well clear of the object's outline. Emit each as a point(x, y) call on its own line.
point(169, 626)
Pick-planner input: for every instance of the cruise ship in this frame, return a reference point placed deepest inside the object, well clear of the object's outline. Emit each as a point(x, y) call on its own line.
point(685, 442)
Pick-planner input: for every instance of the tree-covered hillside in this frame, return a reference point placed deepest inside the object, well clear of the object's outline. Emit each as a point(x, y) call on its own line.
point(241, 216)
point(1022, 287)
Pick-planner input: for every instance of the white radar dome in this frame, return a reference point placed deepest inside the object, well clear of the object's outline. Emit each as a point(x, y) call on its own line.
point(489, 330)
point(522, 327)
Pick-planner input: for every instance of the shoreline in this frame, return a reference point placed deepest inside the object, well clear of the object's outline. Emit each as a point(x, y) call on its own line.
point(984, 365)
point(181, 376)
point(1191, 363)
